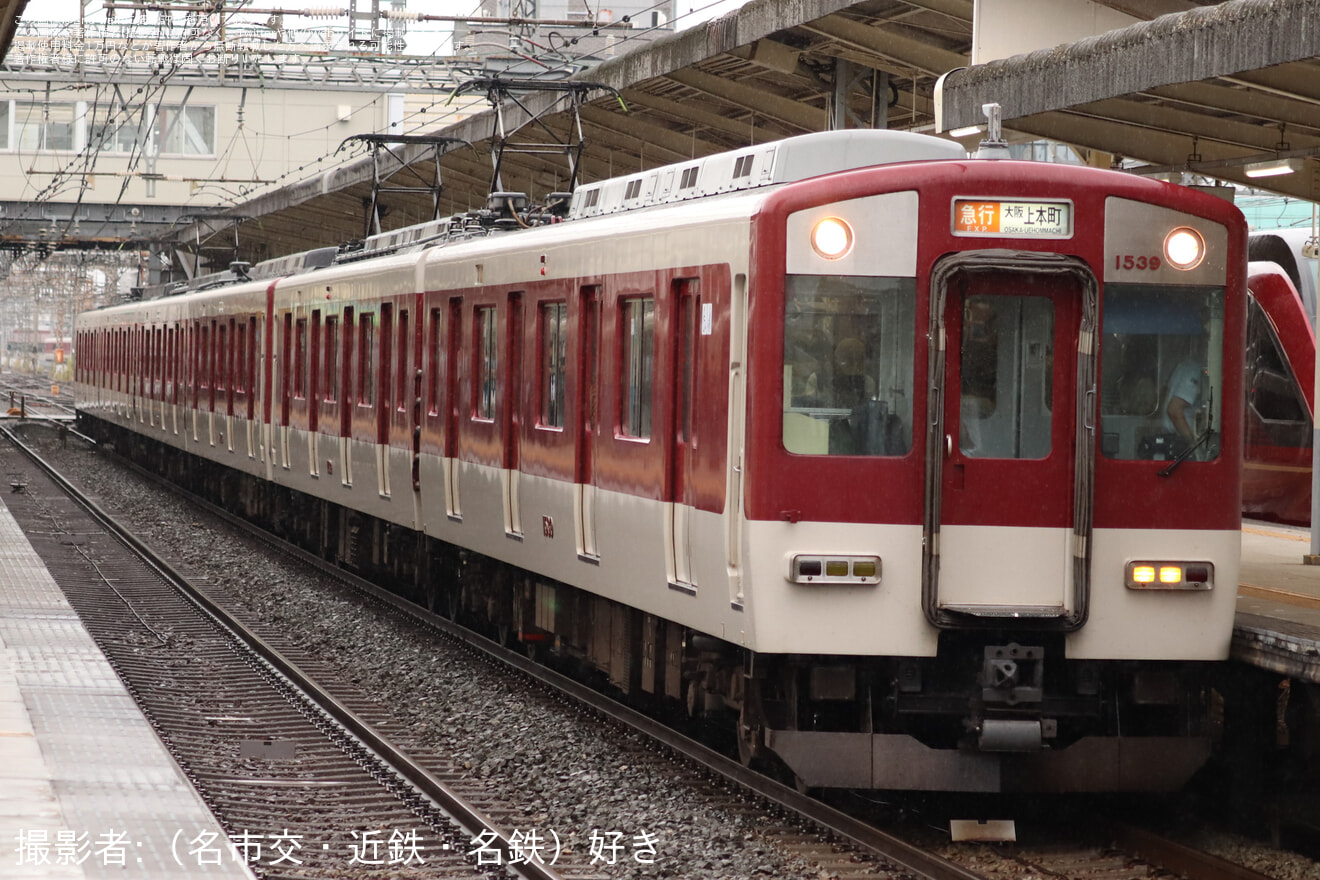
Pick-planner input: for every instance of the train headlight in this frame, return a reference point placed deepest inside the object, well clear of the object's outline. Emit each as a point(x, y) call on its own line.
point(832, 238)
point(813, 569)
point(1184, 248)
point(1170, 575)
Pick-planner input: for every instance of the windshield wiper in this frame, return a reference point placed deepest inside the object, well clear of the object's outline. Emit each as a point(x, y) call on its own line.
point(1186, 453)
point(1205, 435)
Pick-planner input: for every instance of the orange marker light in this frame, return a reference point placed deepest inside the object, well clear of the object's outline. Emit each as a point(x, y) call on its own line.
point(1144, 574)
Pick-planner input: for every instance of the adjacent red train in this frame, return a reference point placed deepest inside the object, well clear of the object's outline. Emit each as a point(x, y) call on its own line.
point(1280, 377)
point(923, 470)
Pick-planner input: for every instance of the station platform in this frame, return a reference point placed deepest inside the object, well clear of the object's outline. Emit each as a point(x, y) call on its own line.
point(87, 789)
point(1278, 608)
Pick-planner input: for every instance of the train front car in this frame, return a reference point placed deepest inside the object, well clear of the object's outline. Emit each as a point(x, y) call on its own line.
point(992, 477)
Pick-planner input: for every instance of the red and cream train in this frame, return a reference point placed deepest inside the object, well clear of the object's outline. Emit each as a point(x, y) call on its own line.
point(849, 437)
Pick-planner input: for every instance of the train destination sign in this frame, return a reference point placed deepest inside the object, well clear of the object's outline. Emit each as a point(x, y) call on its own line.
point(1018, 219)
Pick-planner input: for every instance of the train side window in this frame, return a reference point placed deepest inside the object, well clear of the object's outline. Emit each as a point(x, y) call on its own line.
point(300, 360)
point(485, 353)
point(366, 353)
point(1161, 366)
point(849, 361)
point(638, 363)
point(554, 359)
point(1273, 394)
point(331, 368)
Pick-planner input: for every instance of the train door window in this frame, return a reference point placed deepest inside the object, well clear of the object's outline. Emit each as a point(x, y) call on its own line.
point(433, 362)
point(313, 362)
point(1273, 394)
point(300, 360)
point(366, 366)
point(346, 371)
point(849, 362)
point(205, 372)
point(331, 368)
point(240, 358)
point(554, 326)
point(286, 360)
point(157, 360)
point(170, 366)
point(213, 361)
point(194, 374)
point(638, 361)
point(401, 384)
point(689, 308)
point(1006, 364)
point(486, 354)
point(254, 346)
point(222, 357)
point(1161, 365)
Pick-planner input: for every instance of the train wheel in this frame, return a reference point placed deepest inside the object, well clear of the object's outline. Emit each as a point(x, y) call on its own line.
point(749, 740)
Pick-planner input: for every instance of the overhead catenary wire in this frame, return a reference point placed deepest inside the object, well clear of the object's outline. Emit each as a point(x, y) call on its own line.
point(553, 57)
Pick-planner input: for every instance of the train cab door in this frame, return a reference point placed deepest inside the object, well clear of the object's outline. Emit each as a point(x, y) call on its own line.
point(1011, 448)
point(679, 520)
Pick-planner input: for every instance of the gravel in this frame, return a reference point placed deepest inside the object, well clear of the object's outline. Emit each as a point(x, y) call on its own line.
point(572, 776)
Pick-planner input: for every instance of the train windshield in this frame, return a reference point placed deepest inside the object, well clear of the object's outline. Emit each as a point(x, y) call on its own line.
point(1161, 371)
point(848, 364)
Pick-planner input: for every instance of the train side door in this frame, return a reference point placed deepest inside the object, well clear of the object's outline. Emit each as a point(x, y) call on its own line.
point(453, 403)
point(384, 377)
point(682, 436)
point(1010, 471)
point(588, 418)
point(511, 416)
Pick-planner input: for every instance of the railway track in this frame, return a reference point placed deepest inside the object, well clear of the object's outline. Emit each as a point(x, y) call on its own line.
point(842, 845)
point(301, 780)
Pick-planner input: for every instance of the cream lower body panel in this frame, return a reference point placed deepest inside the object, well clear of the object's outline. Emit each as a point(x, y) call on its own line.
point(634, 556)
point(1006, 566)
point(1159, 624)
point(881, 619)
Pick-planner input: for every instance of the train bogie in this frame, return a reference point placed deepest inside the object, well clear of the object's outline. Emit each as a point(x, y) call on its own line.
point(881, 460)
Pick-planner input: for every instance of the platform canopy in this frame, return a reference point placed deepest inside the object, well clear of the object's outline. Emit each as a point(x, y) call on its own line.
point(1209, 88)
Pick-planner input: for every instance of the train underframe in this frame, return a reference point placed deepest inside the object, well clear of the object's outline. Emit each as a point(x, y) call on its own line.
point(994, 711)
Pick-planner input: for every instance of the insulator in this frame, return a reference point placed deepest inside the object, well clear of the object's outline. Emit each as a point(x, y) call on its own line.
point(401, 15)
point(323, 12)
